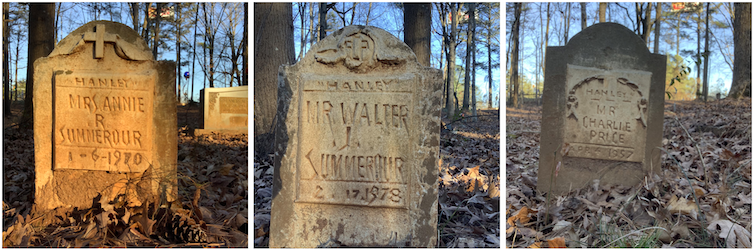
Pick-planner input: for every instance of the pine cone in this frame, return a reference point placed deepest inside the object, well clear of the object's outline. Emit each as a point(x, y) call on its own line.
point(181, 228)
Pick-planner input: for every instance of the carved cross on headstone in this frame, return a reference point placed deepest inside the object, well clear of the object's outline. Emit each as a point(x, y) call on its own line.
point(99, 37)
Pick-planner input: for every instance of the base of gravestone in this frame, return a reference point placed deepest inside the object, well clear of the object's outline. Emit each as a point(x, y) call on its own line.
point(206, 132)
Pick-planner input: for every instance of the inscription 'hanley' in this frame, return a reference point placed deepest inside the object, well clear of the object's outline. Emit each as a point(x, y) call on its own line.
point(99, 121)
point(606, 113)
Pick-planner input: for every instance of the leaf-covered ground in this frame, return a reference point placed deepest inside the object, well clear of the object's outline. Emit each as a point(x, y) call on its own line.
point(692, 203)
point(212, 209)
point(469, 194)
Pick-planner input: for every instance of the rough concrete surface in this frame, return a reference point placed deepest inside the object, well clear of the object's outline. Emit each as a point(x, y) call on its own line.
point(357, 145)
point(104, 120)
point(603, 105)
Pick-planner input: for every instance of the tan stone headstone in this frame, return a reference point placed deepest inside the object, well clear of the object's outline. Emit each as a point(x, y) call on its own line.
point(357, 145)
point(104, 120)
point(225, 110)
point(603, 106)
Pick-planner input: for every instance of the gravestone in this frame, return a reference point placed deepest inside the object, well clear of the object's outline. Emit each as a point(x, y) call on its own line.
point(225, 110)
point(356, 145)
point(602, 107)
point(104, 120)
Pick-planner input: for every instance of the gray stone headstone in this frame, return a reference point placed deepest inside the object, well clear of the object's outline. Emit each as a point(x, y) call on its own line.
point(603, 105)
point(356, 149)
point(104, 120)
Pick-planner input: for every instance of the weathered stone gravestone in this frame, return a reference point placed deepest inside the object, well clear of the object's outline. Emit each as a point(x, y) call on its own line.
point(603, 106)
point(225, 110)
point(104, 120)
point(357, 145)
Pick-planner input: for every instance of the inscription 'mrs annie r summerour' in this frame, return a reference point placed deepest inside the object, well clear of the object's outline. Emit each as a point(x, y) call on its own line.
point(93, 113)
point(606, 113)
point(345, 167)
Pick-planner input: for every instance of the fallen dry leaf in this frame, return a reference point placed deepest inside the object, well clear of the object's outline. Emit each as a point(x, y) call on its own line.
point(734, 234)
point(522, 215)
point(558, 242)
point(683, 206)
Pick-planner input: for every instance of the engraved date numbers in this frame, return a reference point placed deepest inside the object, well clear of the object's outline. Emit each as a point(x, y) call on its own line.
point(117, 158)
point(369, 195)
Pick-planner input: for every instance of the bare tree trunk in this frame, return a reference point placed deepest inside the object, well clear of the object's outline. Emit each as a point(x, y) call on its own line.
point(204, 46)
point(6, 61)
point(450, 104)
point(273, 24)
point(473, 82)
point(698, 51)
point(57, 21)
point(469, 48)
point(135, 15)
point(566, 23)
point(322, 20)
point(157, 29)
point(15, 67)
point(246, 44)
point(442, 9)
point(302, 42)
point(489, 72)
point(603, 7)
point(658, 21)
point(645, 24)
point(417, 27)
point(547, 38)
point(234, 50)
point(583, 16)
point(178, 48)
point(369, 13)
point(741, 83)
point(489, 62)
point(193, 61)
point(211, 46)
point(705, 90)
point(41, 43)
point(514, 54)
point(146, 25)
point(313, 34)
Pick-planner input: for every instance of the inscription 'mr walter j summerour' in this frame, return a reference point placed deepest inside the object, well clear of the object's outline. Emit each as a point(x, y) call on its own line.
point(357, 130)
point(606, 113)
point(99, 121)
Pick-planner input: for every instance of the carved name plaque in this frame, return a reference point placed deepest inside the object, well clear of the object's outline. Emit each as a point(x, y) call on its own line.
point(99, 121)
point(355, 130)
point(606, 113)
point(234, 105)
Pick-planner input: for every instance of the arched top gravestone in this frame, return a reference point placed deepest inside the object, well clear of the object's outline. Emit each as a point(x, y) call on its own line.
point(603, 106)
point(127, 44)
point(356, 146)
point(104, 120)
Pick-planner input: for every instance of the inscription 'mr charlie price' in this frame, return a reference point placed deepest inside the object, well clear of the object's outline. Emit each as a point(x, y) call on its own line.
point(606, 113)
point(362, 125)
point(99, 121)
